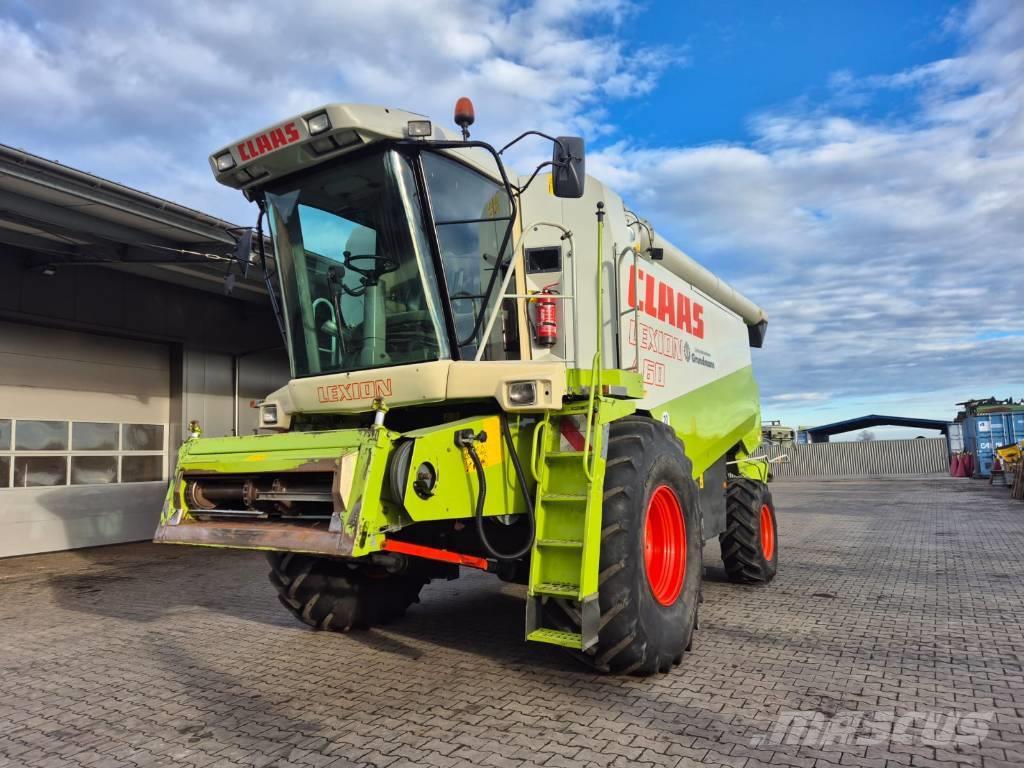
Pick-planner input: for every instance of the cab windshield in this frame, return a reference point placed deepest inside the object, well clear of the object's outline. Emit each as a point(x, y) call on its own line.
point(357, 274)
point(358, 284)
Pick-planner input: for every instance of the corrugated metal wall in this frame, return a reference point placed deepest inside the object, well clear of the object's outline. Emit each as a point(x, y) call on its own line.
point(875, 457)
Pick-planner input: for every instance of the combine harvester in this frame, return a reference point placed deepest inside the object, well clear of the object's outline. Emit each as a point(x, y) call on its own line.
point(510, 374)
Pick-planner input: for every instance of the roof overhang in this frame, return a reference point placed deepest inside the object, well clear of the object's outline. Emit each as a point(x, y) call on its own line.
point(61, 218)
point(875, 420)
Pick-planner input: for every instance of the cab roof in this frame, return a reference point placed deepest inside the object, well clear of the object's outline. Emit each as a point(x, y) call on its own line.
point(311, 138)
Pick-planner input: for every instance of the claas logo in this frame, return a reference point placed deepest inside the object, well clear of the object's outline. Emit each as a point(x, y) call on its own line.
point(273, 139)
point(663, 302)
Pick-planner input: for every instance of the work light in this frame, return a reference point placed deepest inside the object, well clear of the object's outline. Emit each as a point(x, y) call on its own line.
point(419, 129)
point(319, 123)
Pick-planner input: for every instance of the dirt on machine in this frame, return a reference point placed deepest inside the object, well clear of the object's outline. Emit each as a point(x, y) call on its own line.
point(510, 373)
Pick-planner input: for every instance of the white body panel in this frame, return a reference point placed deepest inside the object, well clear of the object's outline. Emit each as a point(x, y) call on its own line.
point(685, 339)
point(673, 359)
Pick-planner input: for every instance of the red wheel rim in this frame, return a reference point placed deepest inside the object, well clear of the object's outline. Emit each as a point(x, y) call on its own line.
point(665, 545)
point(767, 532)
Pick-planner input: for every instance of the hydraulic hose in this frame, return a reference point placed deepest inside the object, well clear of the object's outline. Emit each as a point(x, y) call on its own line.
point(506, 433)
point(482, 496)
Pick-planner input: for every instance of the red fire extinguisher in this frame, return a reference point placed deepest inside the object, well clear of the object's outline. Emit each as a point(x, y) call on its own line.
point(546, 316)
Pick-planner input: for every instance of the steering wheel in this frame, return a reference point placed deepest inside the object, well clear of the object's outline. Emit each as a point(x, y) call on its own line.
point(378, 266)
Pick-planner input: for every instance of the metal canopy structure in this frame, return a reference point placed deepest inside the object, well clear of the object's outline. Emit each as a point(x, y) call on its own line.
point(58, 218)
point(821, 434)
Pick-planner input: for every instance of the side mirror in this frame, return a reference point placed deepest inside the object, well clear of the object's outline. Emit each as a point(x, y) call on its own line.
point(568, 174)
point(243, 252)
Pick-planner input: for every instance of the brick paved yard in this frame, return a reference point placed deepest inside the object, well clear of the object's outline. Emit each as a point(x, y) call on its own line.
point(893, 597)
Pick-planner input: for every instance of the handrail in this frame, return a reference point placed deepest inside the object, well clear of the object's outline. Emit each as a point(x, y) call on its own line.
point(636, 306)
point(542, 426)
point(595, 382)
point(517, 258)
point(553, 296)
point(595, 369)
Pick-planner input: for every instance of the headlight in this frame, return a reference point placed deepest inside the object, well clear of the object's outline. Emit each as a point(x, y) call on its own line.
point(268, 414)
point(522, 392)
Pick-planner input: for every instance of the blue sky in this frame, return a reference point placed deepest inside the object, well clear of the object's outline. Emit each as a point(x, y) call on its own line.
point(747, 56)
point(855, 167)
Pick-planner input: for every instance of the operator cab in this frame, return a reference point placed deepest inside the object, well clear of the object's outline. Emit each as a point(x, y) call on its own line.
point(391, 239)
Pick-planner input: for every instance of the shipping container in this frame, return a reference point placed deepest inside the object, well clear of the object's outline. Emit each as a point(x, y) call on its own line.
point(1017, 426)
point(985, 432)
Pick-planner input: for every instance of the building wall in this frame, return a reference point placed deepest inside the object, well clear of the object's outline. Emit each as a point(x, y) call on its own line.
point(260, 373)
point(93, 479)
point(94, 346)
point(220, 390)
point(209, 392)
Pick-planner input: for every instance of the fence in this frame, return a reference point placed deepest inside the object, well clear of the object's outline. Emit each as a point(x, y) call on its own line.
point(876, 457)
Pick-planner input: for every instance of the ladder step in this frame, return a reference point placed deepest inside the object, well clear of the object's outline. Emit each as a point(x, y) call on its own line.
point(563, 497)
point(564, 455)
point(557, 589)
point(565, 543)
point(555, 637)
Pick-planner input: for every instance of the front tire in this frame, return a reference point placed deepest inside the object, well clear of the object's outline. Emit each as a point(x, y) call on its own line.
point(750, 544)
point(331, 594)
point(650, 562)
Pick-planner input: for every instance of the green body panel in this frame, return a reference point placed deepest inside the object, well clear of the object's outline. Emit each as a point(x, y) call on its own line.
point(366, 515)
point(364, 509)
point(268, 453)
point(753, 468)
point(709, 430)
point(457, 486)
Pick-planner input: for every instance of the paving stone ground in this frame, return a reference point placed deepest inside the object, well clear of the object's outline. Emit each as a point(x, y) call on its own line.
point(894, 597)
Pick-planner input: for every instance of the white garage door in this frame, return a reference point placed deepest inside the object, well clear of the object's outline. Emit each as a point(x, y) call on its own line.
point(83, 438)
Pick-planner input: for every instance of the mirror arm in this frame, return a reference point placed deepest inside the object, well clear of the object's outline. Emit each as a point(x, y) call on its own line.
point(263, 268)
point(522, 136)
point(529, 181)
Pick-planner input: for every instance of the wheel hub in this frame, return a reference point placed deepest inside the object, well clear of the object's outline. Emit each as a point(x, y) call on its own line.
point(665, 545)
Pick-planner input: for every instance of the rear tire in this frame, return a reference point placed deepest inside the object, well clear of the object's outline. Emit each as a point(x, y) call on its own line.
point(648, 601)
point(750, 544)
point(330, 594)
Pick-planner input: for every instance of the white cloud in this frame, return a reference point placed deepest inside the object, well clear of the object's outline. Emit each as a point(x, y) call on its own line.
point(186, 77)
point(32, 80)
point(799, 397)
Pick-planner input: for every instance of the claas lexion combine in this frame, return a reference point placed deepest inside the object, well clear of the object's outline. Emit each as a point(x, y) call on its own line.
point(511, 374)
